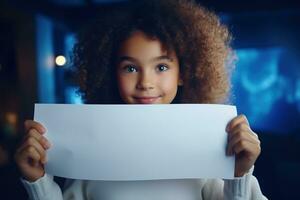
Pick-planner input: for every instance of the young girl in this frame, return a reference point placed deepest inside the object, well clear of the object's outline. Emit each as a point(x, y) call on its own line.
point(150, 52)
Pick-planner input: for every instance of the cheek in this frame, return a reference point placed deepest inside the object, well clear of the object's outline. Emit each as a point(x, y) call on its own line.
point(170, 84)
point(125, 84)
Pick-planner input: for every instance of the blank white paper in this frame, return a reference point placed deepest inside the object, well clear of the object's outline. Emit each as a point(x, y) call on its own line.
point(137, 142)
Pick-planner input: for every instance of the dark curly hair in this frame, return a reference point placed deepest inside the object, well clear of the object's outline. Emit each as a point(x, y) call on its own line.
point(200, 41)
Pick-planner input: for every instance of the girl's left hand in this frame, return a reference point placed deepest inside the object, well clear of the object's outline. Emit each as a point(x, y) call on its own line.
point(242, 142)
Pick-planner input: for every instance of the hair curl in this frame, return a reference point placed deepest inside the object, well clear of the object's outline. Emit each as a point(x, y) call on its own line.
point(200, 41)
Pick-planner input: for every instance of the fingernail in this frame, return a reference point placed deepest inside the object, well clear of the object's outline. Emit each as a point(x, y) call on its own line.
point(48, 144)
point(42, 130)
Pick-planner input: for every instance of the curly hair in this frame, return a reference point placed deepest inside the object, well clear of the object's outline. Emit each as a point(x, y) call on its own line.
point(200, 41)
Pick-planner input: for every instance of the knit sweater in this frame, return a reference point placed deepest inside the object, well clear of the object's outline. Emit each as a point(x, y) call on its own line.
point(243, 188)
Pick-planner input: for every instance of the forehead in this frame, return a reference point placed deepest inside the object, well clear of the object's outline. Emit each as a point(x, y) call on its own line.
point(139, 45)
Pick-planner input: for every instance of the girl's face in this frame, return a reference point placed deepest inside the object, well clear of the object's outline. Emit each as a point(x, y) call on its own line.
point(146, 74)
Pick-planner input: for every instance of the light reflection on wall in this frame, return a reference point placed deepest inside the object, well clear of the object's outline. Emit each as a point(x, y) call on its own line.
point(72, 96)
point(266, 87)
point(71, 91)
point(45, 55)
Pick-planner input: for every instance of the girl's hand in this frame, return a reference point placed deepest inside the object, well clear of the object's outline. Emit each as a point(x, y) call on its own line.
point(242, 142)
point(31, 155)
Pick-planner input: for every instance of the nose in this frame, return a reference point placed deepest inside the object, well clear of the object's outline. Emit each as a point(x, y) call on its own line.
point(145, 81)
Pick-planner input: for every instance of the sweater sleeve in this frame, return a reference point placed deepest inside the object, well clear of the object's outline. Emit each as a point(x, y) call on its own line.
point(243, 188)
point(44, 188)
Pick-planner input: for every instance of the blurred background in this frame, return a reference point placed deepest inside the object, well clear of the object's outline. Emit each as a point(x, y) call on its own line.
point(36, 38)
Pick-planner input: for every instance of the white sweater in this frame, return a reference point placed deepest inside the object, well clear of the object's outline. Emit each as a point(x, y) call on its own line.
point(244, 188)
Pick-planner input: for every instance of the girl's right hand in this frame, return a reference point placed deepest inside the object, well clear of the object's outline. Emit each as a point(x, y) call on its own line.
point(31, 154)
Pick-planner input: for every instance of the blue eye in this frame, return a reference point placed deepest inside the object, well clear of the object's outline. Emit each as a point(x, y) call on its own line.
point(162, 67)
point(130, 68)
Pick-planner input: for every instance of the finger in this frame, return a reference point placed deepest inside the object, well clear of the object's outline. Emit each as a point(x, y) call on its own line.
point(241, 127)
point(32, 142)
point(240, 136)
point(30, 153)
point(29, 124)
point(41, 139)
point(246, 146)
point(235, 121)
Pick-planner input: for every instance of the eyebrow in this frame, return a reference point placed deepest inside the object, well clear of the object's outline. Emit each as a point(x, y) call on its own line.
point(159, 58)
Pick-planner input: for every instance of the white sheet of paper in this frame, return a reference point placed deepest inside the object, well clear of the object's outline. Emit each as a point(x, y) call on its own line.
point(137, 142)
